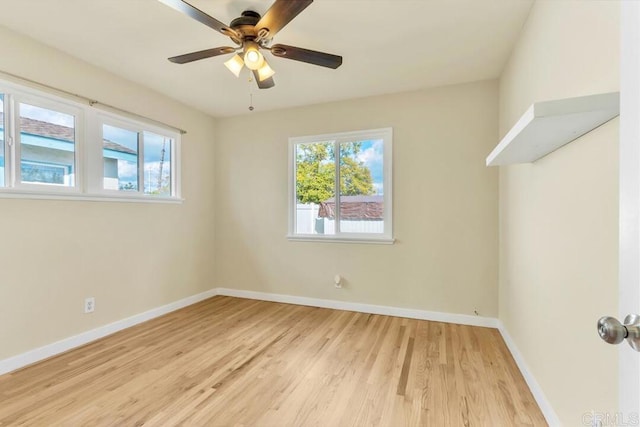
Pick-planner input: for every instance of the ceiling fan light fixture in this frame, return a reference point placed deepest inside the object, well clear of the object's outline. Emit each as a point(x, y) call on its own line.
point(265, 71)
point(235, 64)
point(253, 59)
point(252, 33)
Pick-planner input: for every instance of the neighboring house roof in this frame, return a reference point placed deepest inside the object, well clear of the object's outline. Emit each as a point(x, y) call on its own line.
point(355, 207)
point(61, 133)
point(46, 129)
point(110, 145)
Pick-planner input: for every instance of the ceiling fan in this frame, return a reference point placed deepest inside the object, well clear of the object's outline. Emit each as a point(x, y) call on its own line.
point(252, 33)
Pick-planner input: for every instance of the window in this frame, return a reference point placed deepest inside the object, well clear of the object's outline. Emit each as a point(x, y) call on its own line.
point(52, 147)
point(137, 161)
point(2, 143)
point(157, 164)
point(46, 145)
point(120, 158)
point(340, 187)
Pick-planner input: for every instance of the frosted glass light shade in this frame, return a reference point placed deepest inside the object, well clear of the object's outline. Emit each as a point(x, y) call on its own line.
point(235, 65)
point(265, 71)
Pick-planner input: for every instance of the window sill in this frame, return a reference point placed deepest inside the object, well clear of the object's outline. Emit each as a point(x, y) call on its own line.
point(331, 239)
point(39, 195)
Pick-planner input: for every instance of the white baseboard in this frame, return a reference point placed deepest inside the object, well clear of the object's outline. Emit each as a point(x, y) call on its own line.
point(546, 408)
point(32, 356)
point(435, 316)
point(44, 352)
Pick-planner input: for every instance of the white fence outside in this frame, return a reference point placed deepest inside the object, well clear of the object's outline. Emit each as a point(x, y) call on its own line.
point(307, 222)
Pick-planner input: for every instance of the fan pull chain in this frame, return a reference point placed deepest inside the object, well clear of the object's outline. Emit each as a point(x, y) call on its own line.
point(250, 92)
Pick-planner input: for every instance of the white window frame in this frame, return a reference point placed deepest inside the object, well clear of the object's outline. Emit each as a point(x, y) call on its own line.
point(17, 97)
point(386, 134)
point(140, 128)
point(88, 150)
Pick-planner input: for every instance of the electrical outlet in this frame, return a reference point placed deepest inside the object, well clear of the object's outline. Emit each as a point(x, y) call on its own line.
point(89, 305)
point(337, 281)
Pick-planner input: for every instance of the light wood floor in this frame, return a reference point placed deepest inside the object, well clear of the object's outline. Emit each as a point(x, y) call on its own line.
point(236, 362)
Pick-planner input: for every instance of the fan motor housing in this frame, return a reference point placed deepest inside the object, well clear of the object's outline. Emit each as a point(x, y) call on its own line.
point(245, 24)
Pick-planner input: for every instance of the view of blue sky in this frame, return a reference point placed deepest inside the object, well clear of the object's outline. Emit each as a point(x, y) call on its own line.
point(371, 154)
point(46, 115)
point(124, 137)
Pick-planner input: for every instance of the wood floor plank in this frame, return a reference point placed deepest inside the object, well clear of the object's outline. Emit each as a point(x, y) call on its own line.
point(237, 362)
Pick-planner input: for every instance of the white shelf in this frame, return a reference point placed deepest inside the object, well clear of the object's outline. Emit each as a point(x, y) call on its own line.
point(547, 126)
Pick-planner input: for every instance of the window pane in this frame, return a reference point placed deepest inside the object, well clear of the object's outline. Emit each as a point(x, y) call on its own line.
point(1, 140)
point(315, 188)
point(47, 146)
point(157, 164)
point(361, 187)
point(120, 154)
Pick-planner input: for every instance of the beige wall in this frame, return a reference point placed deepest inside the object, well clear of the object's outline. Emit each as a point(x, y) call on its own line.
point(131, 257)
point(559, 215)
point(445, 204)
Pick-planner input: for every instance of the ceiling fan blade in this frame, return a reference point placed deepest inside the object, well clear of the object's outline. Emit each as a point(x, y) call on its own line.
point(266, 83)
point(200, 16)
point(201, 54)
point(305, 55)
point(279, 15)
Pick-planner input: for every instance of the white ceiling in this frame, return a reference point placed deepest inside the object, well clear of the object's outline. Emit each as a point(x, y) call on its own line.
point(387, 45)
